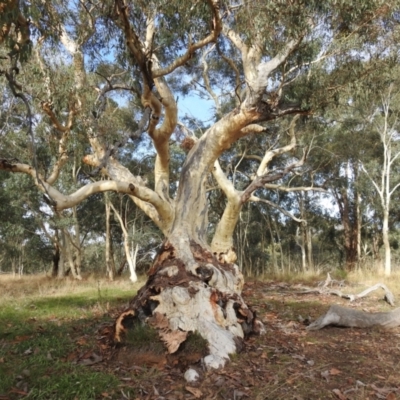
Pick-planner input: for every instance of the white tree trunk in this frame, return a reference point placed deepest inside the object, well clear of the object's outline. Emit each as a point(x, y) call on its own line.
point(110, 265)
point(386, 242)
point(130, 258)
point(132, 261)
point(300, 242)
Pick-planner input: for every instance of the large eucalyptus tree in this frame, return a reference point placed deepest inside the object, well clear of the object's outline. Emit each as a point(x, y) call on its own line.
point(260, 61)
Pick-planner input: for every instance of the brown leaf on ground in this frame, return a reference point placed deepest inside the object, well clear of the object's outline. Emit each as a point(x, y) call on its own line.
point(22, 338)
point(334, 371)
point(173, 339)
point(194, 391)
point(81, 341)
point(17, 391)
point(339, 394)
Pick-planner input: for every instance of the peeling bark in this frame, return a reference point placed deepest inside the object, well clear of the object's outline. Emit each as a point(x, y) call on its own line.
point(204, 298)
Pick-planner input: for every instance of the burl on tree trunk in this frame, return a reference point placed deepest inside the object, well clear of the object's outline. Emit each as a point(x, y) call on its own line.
point(177, 301)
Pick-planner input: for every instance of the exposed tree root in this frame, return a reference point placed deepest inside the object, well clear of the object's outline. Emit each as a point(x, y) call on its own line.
point(175, 301)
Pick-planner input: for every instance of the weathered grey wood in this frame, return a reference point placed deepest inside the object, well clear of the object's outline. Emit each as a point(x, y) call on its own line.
point(389, 297)
point(348, 317)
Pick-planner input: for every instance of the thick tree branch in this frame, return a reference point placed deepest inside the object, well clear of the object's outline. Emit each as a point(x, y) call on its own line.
point(133, 43)
point(258, 83)
point(61, 201)
point(161, 137)
point(160, 211)
point(222, 241)
point(112, 150)
point(224, 183)
point(248, 66)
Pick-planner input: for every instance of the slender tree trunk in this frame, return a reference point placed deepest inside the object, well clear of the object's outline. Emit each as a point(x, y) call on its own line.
point(132, 265)
point(129, 258)
point(348, 212)
point(56, 260)
point(70, 256)
point(300, 242)
point(273, 249)
point(386, 242)
point(61, 265)
point(76, 243)
point(309, 245)
point(128, 254)
point(110, 264)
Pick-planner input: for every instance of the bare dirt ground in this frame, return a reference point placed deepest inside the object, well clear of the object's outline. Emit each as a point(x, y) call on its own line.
point(288, 362)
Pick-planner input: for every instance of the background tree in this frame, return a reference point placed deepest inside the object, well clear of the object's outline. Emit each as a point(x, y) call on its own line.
point(384, 121)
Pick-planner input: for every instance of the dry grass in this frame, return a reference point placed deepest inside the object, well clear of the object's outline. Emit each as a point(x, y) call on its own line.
point(36, 286)
point(370, 278)
point(359, 278)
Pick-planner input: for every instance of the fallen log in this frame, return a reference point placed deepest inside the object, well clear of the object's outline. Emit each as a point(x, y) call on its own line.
point(389, 298)
point(350, 318)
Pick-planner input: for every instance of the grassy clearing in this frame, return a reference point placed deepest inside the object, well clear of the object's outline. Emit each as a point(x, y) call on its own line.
point(46, 327)
point(50, 329)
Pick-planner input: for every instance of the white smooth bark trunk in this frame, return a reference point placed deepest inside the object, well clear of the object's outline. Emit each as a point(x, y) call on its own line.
point(386, 242)
point(131, 259)
point(110, 265)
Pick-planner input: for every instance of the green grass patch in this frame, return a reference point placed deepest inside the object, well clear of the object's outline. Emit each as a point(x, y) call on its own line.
point(195, 343)
point(44, 335)
point(142, 337)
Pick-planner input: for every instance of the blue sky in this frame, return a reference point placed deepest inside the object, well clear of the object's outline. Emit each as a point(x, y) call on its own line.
point(194, 106)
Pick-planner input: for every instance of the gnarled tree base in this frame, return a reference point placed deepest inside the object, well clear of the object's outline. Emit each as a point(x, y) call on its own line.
point(204, 298)
point(348, 317)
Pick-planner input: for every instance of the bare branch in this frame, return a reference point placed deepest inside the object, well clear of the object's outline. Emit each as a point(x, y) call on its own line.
point(263, 180)
point(271, 154)
point(234, 67)
point(207, 79)
point(212, 37)
point(282, 210)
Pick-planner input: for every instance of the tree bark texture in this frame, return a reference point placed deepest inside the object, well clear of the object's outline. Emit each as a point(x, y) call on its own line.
point(204, 298)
